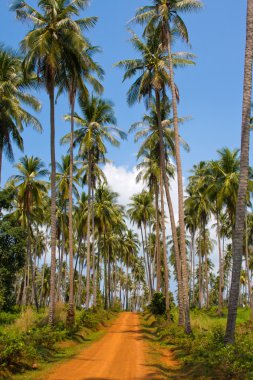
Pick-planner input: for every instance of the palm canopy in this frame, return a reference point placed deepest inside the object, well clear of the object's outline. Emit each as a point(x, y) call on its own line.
point(55, 33)
point(151, 69)
point(141, 209)
point(148, 130)
point(62, 177)
point(95, 127)
point(13, 116)
point(164, 13)
point(30, 184)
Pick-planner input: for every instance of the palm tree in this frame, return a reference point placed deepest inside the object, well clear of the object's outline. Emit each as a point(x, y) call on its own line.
point(131, 247)
point(96, 127)
point(165, 15)
point(13, 117)
point(79, 66)
point(30, 189)
point(47, 46)
point(243, 181)
point(149, 130)
point(141, 212)
point(155, 77)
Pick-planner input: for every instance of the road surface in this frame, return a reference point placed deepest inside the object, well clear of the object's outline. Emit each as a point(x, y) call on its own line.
point(120, 354)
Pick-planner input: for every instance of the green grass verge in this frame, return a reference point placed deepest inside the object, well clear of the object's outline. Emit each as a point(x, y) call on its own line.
point(203, 354)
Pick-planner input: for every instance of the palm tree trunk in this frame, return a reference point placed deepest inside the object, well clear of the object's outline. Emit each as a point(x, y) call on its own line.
point(94, 281)
point(59, 295)
point(247, 269)
point(220, 267)
point(200, 281)
point(53, 207)
point(127, 266)
point(148, 261)
point(193, 266)
point(42, 277)
point(181, 319)
point(88, 236)
point(238, 235)
point(188, 329)
point(145, 261)
point(158, 250)
point(71, 306)
point(29, 252)
point(166, 269)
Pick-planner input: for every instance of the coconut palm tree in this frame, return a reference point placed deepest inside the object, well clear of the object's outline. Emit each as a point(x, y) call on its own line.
point(96, 126)
point(13, 117)
point(77, 72)
point(131, 248)
point(54, 36)
point(165, 16)
point(30, 190)
point(149, 130)
point(155, 78)
point(141, 212)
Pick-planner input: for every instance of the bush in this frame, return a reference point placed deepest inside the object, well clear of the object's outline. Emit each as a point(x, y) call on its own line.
point(157, 305)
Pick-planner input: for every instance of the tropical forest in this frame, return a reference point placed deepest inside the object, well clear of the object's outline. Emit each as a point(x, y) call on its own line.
point(126, 190)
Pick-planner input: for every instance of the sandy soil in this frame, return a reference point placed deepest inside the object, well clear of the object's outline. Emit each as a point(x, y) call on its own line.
point(120, 354)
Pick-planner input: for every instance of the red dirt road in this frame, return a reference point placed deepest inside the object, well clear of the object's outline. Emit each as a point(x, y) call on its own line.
point(120, 354)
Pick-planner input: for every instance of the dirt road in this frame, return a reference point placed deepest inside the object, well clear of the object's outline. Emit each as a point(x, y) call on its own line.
point(120, 354)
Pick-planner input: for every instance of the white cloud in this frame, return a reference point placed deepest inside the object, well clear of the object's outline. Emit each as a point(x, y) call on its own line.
point(123, 181)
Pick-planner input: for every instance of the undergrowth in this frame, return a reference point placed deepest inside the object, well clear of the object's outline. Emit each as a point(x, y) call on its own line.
point(26, 339)
point(203, 354)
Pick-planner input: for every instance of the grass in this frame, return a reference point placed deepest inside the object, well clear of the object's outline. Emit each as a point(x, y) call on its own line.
point(29, 349)
point(203, 354)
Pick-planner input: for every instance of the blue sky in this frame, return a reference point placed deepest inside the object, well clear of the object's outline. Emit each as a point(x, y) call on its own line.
point(211, 92)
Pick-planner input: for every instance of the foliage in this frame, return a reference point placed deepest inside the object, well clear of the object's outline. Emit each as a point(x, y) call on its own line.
point(157, 305)
point(204, 351)
point(12, 258)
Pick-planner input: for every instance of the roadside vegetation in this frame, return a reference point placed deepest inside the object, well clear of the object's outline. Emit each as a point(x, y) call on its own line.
point(27, 343)
point(202, 355)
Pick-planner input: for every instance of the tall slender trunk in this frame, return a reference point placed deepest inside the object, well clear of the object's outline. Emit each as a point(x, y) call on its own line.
point(206, 265)
point(238, 235)
point(88, 235)
point(181, 319)
point(180, 191)
point(71, 306)
point(94, 283)
point(193, 266)
point(29, 253)
point(59, 295)
point(220, 266)
point(247, 269)
point(148, 259)
point(200, 281)
point(53, 207)
point(42, 277)
point(166, 269)
point(158, 249)
point(145, 261)
point(109, 276)
point(127, 266)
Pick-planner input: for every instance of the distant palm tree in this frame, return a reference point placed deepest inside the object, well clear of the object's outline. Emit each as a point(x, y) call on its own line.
point(96, 127)
point(30, 190)
point(13, 117)
point(141, 212)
